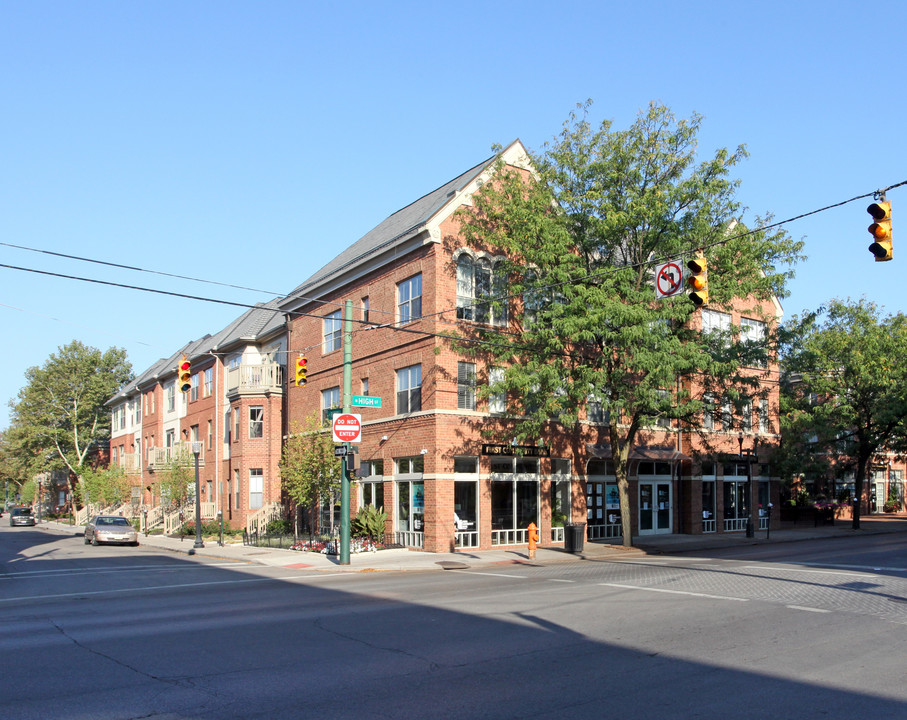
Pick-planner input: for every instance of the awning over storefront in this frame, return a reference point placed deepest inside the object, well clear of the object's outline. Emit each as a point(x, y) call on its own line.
point(641, 452)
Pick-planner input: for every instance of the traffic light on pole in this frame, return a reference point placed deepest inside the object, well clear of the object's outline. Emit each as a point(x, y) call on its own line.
point(698, 282)
point(881, 230)
point(184, 375)
point(301, 370)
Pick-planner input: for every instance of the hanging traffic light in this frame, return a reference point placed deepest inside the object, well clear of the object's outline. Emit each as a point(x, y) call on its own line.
point(698, 282)
point(184, 375)
point(301, 370)
point(881, 230)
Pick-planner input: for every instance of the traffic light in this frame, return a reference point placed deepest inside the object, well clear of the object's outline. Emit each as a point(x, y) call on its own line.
point(184, 373)
point(881, 230)
point(698, 282)
point(301, 370)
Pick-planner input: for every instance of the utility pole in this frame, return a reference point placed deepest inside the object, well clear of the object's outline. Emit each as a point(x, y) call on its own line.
point(347, 406)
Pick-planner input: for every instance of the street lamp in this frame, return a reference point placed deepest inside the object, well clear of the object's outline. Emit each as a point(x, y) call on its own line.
point(196, 449)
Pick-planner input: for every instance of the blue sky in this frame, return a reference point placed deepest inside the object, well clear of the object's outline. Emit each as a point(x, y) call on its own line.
point(248, 143)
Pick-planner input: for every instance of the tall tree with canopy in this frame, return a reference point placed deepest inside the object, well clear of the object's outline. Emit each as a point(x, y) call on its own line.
point(845, 389)
point(309, 470)
point(60, 415)
point(580, 236)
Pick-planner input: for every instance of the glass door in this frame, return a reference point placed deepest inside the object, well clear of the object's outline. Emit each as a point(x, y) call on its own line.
point(655, 511)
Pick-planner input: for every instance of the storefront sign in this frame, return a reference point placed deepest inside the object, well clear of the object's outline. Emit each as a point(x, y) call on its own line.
point(516, 450)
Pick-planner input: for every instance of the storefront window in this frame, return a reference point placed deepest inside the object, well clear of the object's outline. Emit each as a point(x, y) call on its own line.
point(560, 492)
point(736, 496)
point(410, 495)
point(466, 513)
point(514, 493)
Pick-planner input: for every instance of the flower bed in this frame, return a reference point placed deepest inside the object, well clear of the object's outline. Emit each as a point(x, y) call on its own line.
point(332, 547)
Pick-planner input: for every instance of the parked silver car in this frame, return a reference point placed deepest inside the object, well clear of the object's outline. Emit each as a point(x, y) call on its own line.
point(21, 516)
point(110, 529)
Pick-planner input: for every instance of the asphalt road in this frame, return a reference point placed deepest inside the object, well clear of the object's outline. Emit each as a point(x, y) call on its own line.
point(802, 630)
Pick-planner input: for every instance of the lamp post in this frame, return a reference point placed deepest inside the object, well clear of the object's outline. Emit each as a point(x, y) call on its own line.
point(196, 449)
point(753, 520)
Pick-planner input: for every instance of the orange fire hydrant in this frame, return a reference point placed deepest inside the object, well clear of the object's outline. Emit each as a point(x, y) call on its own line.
point(533, 539)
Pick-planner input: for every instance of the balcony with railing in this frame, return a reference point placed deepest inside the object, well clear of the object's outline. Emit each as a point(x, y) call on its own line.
point(131, 463)
point(254, 379)
point(179, 454)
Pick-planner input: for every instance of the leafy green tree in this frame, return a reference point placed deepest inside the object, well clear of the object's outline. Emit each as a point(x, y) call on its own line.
point(177, 483)
point(107, 486)
point(309, 471)
point(581, 235)
point(60, 416)
point(845, 389)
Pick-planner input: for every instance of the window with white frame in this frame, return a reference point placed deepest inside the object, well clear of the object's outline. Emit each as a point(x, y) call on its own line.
point(333, 332)
point(236, 486)
point(171, 397)
point(372, 483)
point(497, 401)
point(708, 412)
point(595, 412)
point(410, 490)
point(330, 400)
point(764, 423)
point(753, 334)
point(746, 416)
point(466, 494)
point(256, 421)
point(193, 387)
point(714, 321)
point(481, 286)
point(365, 309)
point(466, 386)
point(409, 389)
point(256, 488)
point(209, 381)
point(663, 420)
point(409, 299)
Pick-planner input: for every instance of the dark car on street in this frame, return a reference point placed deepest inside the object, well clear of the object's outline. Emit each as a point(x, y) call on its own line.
point(110, 529)
point(21, 516)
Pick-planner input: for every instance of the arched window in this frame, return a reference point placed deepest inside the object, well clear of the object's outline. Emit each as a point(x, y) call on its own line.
point(479, 281)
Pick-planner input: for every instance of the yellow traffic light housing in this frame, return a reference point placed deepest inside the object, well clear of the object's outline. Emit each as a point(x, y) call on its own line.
point(184, 375)
point(881, 230)
point(301, 370)
point(698, 282)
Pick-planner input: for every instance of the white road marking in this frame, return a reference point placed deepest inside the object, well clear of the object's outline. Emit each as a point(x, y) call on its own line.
point(674, 592)
point(167, 587)
point(808, 609)
point(795, 569)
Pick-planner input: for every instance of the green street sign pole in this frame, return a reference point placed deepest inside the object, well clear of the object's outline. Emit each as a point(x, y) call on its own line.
point(347, 394)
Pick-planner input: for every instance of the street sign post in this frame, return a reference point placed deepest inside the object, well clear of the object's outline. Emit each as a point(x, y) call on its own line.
point(347, 427)
point(366, 401)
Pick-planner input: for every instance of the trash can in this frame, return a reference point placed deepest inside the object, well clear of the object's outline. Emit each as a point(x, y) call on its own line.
point(573, 537)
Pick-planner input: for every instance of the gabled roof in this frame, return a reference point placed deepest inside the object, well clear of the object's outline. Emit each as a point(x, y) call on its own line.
point(254, 324)
point(405, 224)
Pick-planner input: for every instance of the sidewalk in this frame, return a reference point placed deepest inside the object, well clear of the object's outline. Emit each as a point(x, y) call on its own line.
point(400, 560)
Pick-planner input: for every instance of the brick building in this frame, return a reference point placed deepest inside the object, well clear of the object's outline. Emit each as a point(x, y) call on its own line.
point(233, 410)
point(442, 464)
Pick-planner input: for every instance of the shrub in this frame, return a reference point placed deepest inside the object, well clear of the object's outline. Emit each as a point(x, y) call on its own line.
point(370, 522)
point(279, 527)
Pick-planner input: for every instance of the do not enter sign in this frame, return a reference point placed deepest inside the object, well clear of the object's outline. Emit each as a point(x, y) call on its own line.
point(347, 427)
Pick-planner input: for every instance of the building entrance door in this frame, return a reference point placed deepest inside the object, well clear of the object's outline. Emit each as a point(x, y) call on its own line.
point(655, 511)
